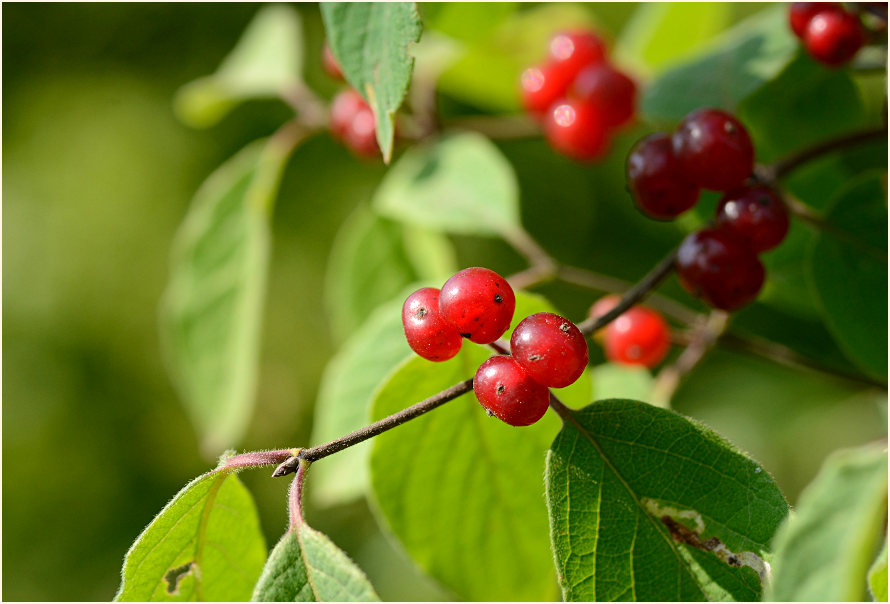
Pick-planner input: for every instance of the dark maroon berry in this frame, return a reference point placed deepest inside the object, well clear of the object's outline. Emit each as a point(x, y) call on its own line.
point(718, 267)
point(506, 391)
point(656, 181)
point(801, 13)
point(834, 37)
point(576, 129)
point(427, 333)
point(352, 121)
point(610, 91)
point(550, 348)
point(714, 149)
point(756, 214)
point(639, 336)
point(479, 303)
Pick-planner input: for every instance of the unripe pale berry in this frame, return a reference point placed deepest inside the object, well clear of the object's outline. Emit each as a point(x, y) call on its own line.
point(656, 181)
point(506, 391)
point(427, 333)
point(479, 303)
point(550, 348)
point(713, 149)
point(756, 214)
point(639, 336)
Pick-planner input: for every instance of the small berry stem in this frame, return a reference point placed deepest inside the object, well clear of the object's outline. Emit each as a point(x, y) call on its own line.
point(295, 497)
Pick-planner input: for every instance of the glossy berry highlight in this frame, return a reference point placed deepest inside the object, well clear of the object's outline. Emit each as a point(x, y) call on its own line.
point(479, 303)
point(352, 122)
point(756, 215)
point(576, 129)
point(801, 13)
point(427, 333)
point(717, 266)
point(834, 37)
point(639, 336)
point(656, 181)
point(550, 348)
point(572, 51)
point(506, 391)
point(713, 149)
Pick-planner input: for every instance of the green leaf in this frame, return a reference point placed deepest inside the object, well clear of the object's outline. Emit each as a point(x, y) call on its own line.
point(371, 42)
point(211, 311)
point(205, 545)
point(623, 476)
point(459, 184)
point(877, 576)
point(460, 490)
point(823, 552)
point(266, 62)
point(848, 271)
point(306, 566)
point(741, 61)
point(664, 33)
point(611, 380)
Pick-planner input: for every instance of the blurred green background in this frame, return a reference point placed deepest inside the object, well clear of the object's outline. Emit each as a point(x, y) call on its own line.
point(98, 174)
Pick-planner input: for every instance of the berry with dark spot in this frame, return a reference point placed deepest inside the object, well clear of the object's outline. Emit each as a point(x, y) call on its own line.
point(507, 391)
point(639, 336)
point(718, 266)
point(479, 303)
point(550, 348)
point(427, 333)
point(656, 181)
point(756, 214)
point(834, 37)
point(713, 149)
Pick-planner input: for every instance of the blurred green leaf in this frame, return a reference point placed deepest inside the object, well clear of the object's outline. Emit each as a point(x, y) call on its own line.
point(371, 42)
point(372, 259)
point(306, 566)
point(848, 270)
point(741, 61)
point(631, 488)
point(211, 311)
point(663, 33)
point(205, 545)
point(824, 550)
point(611, 380)
point(460, 490)
point(467, 21)
point(266, 62)
point(877, 576)
point(459, 184)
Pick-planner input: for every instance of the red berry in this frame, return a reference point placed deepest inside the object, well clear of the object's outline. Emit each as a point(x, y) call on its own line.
point(610, 91)
point(834, 37)
point(550, 348)
point(714, 149)
point(479, 303)
point(716, 265)
point(576, 129)
point(329, 63)
point(800, 14)
point(658, 185)
point(574, 50)
point(507, 391)
point(639, 336)
point(427, 333)
point(756, 214)
point(352, 121)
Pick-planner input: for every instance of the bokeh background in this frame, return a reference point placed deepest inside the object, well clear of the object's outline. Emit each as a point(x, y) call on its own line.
point(98, 174)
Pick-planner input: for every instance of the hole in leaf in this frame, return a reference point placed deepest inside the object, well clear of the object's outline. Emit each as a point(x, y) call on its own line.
point(175, 575)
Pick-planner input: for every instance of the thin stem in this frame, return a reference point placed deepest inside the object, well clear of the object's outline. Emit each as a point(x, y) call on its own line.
point(312, 111)
point(564, 412)
point(295, 496)
point(258, 459)
point(778, 170)
point(496, 127)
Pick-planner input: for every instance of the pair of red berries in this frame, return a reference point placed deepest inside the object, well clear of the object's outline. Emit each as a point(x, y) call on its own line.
point(351, 119)
point(638, 336)
point(478, 304)
point(830, 34)
point(580, 98)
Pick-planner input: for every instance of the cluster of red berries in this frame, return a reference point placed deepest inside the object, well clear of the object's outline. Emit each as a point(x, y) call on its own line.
point(578, 96)
point(831, 34)
point(710, 149)
point(351, 119)
point(548, 351)
point(638, 336)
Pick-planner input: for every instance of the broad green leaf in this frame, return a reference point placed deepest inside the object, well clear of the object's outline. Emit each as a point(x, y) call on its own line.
point(459, 184)
point(460, 490)
point(663, 33)
point(848, 271)
point(739, 62)
point(373, 259)
point(877, 576)
point(266, 63)
point(623, 477)
point(371, 42)
point(823, 552)
point(306, 566)
point(211, 311)
point(205, 545)
point(611, 380)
